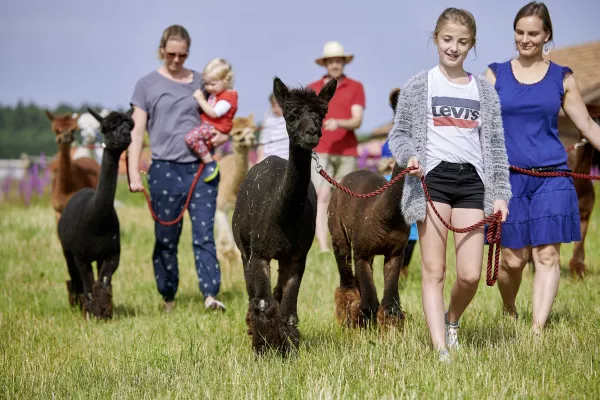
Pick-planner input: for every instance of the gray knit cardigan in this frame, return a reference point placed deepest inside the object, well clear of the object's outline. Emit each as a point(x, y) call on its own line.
point(409, 138)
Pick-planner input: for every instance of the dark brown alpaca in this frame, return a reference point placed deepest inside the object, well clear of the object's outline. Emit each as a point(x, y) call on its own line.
point(362, 229)
point(88, 228)
point(71, 175)
point(580, 160)
point(274, 219)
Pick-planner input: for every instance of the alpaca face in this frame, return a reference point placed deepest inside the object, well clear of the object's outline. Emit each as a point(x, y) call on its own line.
point(116, 128)
point(242, 133)
point(304, 111)
point(64, 127)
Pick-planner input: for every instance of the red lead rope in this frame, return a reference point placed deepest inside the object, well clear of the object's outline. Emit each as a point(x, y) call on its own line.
point(555, 174)
point(187, 200)
point(494, 235)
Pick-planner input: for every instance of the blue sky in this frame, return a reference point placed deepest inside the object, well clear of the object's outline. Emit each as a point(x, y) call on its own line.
point(94, 51)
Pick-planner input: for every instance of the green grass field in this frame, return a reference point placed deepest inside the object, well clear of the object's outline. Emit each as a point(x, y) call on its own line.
point(48, 351)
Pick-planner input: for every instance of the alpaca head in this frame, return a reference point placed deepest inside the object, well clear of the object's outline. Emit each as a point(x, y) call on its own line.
point(63, 126)
point(303, 111)
point(242, 133)
point(116, 128)
point(386, 164)
point(394, 95)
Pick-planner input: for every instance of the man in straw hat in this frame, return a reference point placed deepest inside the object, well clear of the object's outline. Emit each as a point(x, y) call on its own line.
point(337, 148)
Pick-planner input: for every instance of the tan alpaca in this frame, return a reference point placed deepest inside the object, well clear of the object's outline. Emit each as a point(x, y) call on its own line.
point(233, 168)
point(70, 175)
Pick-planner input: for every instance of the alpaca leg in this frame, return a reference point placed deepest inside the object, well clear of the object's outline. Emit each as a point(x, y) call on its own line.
point(390, 313)
point(225, 241)
point(250, 290)
point(586, 205)
point(102, 304)
point(74, 286)
point(264, 308)
point(87, 277)
point(368, 293)
point(408, 251)
point(289, 303)
point(347, 295)
point(282, 277)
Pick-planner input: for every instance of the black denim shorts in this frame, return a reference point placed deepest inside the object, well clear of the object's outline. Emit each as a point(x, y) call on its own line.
point(458, 185)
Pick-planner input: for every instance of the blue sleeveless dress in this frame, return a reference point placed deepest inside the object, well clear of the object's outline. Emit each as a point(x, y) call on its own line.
point(542, 210)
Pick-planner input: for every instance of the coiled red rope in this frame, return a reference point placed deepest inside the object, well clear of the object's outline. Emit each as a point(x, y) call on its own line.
point(187, 200)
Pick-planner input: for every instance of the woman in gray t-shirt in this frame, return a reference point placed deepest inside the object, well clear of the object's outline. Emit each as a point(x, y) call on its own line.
point(163, 103)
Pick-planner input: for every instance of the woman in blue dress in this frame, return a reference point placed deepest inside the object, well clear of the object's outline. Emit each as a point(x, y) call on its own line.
point(543, 212)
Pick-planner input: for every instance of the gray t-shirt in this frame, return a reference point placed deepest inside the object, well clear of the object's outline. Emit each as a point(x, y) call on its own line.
point(172, 112)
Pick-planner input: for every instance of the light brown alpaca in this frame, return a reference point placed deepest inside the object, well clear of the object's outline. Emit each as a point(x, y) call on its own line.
point(233, 168)
point(70, 175)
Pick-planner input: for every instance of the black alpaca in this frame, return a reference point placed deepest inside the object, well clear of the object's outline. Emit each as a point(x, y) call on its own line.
point(274, 219)
point(88, 228)
point(361, 229)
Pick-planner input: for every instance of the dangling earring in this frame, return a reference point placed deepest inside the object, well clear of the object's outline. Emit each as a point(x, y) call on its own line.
point(546, 49)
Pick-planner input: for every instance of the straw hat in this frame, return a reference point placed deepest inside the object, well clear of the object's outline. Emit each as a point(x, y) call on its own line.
point(333, 49)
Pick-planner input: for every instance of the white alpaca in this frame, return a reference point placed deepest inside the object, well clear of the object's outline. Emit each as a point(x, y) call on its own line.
point(90, 131)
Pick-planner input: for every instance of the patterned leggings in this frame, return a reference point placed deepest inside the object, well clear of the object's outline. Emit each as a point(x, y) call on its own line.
point(198, 139)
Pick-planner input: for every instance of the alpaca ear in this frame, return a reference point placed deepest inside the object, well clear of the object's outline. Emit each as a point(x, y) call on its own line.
point(394, 94)
point(95, 115)
point(49, 115)
point(328, 90)
point(251, 116)
point(130, 111)
point(280, 91)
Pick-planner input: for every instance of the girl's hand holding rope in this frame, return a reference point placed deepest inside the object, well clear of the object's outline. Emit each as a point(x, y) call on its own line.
point(413, 162)
point(502, 206)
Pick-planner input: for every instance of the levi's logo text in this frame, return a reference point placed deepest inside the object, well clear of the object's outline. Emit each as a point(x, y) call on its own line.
point(452, 111)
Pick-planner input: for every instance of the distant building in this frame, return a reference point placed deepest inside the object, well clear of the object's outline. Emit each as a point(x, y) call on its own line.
point(584, 60)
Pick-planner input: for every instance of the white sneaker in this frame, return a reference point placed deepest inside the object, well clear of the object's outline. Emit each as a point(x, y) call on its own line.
point(444, 356)
point(452, 336)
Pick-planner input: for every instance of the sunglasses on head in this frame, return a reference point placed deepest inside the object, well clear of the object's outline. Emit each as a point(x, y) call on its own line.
point(180, 55)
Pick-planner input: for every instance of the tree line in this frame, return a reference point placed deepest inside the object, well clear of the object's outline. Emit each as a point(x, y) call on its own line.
point(25, 128)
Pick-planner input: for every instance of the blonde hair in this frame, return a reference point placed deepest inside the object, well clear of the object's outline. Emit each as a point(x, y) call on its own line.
point(220, 69)
point(175, 32)
point(456, 16)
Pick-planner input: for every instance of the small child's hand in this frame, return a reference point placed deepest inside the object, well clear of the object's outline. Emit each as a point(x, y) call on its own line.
point(198, 95)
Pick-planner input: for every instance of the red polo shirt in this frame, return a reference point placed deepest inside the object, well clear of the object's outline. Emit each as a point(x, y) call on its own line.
point(348, 93)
